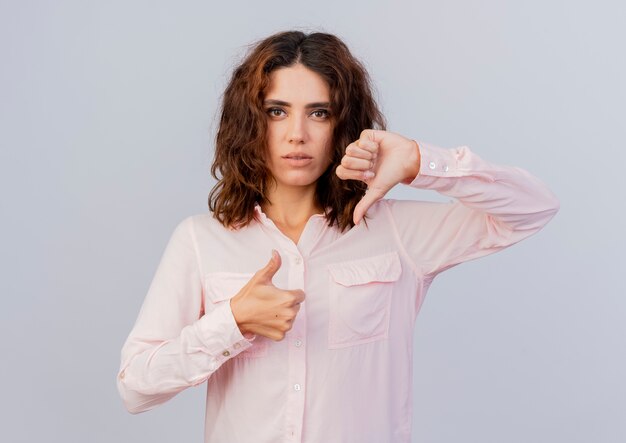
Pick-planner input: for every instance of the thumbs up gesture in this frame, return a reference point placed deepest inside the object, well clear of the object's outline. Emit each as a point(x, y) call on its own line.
point(382, 159)
point(262, 308)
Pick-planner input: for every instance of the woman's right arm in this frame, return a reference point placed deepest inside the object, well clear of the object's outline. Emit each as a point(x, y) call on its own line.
point(173, 345)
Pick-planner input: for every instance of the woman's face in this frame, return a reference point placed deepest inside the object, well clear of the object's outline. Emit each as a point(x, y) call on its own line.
point(299, 126)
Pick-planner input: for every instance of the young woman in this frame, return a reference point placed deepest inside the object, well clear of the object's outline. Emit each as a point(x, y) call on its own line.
point(295, 297)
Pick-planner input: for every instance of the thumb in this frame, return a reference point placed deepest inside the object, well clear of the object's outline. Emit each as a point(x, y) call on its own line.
point(267, 272)
point(372, 195)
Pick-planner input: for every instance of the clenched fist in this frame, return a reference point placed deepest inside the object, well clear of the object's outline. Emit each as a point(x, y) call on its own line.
point(382, 159)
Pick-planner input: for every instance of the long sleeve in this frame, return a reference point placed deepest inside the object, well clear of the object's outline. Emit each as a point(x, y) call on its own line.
point(173, 345)
point(495, 207)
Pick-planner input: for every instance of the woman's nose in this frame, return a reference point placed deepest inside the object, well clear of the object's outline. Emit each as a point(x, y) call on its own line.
point(296, 130)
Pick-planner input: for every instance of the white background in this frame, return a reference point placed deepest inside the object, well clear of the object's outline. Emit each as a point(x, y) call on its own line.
point(107, 118)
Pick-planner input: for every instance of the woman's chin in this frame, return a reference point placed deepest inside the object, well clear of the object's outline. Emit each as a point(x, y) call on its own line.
point(298, 181)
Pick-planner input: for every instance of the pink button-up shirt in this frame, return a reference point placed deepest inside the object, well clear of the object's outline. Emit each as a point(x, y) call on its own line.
point(343, 373)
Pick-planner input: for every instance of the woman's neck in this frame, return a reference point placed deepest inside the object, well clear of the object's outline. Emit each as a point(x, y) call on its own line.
point(291, 207)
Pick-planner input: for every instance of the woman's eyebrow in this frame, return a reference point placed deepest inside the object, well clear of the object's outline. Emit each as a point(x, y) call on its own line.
point(283, 103)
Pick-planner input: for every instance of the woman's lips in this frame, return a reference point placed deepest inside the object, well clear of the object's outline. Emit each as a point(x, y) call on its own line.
point(297, 159)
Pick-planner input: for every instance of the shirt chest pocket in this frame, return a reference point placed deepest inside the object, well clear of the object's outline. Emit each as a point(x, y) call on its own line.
point(220, 288)
point(360, 294)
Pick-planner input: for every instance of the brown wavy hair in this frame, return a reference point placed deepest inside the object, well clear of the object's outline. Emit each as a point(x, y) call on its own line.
point(241, 141)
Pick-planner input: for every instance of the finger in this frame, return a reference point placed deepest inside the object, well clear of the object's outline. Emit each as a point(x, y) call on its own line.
point(362, 164)
point(371, 134)
point(298, 295)
point(351, 174)
point(295, 309)
point(371, 196)
point(368, 145)
point(357, 152)
point(267, 272)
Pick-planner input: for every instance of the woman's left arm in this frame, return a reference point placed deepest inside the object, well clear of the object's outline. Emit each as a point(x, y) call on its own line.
point(496, 206)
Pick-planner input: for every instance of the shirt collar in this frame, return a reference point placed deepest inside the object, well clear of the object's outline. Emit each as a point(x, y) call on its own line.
point(266, 220)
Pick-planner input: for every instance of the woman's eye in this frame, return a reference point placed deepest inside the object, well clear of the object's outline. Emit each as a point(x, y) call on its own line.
point(274, 112)
point(321, 113)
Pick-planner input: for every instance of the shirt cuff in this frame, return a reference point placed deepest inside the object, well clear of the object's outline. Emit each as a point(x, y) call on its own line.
point(220, 334)
point(435, 162)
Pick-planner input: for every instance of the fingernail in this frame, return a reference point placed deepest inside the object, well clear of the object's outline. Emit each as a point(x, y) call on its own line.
point(368, 174)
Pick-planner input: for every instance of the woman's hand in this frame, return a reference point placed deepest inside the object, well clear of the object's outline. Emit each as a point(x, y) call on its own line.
point(263, 309)
point(382, 159)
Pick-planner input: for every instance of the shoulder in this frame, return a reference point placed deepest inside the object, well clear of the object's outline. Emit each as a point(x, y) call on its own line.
point(204, 224)
point(191, 225)
point(200, 221)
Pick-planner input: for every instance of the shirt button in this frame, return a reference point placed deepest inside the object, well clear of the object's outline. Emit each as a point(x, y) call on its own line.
point(297, 260)
point(296, 387)
point(237, 345)
point(432, 165)
point(298, 343)
point(226, 353)
point(445, 168)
